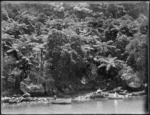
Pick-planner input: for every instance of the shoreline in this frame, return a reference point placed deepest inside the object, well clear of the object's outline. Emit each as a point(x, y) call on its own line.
point(80, 96)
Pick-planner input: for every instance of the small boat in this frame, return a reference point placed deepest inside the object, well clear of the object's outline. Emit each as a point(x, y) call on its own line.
point(61, 101)
point(109, 97)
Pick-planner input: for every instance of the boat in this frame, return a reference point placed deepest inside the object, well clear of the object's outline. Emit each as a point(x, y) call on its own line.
point(109, 97)
point(61, 101)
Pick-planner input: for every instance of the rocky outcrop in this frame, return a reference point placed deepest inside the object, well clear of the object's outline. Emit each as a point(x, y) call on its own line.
point(15, 100)
point(132, 80)
point(26, 95)
point(29, 88)
point(93, 95)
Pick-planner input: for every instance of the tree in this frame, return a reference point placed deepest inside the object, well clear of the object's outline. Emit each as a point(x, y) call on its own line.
point(81, 10)
point(111, 32)
point(137, 52)
point(14, 28)
point(109, 63)
point(109, 67)
point(66, 58)
point(42, 18)
point(4, 15)
point(103, 47)
point(121, 43)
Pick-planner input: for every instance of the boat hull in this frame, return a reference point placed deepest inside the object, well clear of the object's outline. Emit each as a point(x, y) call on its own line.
point(61, 102)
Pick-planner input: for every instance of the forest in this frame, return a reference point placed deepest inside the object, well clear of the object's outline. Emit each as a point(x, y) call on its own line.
point(65, 48)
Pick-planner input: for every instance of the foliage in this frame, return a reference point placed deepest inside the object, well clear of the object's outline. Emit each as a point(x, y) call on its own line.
point(109, 63)
point(66, 56)
point(104, 47)
point(64, 44)
point(137, 52)
point(109, 67)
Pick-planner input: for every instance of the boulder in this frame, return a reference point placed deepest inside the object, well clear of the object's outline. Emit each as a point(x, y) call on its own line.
point(118, 89)
point(138, 93)
point(12, 101)
point(5, 99)
point(34, 90)
point(96, 95)
point(123, 92)
point(26, 95)
point(134, 85)
point(105, 94)
point(27, 99)
point(131, 81)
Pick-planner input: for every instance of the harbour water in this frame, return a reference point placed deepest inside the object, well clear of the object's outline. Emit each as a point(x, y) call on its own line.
point(125, 106)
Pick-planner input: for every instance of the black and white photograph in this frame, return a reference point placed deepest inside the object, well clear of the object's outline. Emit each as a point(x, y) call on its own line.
point(74, 57)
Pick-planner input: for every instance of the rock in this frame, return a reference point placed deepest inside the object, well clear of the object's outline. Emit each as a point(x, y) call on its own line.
point(144, 86)
point(44, 99)
point(118, 89)
point(128, 95)
point(138, 93)
point(99, 91)
point(26, 95)
point(134, 85)
point(13, 101)
point(5, 100)
point(105, 93)
point(35, 99)
point(111, 91)
point(97, 96)
point(115, 96)
point(16, 95)
point(33, 89)
point(81, 98)
point(27, 99)
point(123, 92)
point(131, 79)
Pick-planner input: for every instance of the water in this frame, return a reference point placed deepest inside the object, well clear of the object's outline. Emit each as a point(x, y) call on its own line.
point(125, 106)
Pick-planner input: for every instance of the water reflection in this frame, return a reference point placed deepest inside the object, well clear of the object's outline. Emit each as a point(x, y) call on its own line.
point(115, 102)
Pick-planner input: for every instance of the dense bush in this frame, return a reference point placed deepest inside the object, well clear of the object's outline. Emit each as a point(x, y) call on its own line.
point(64, 44)
point(66, 57)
